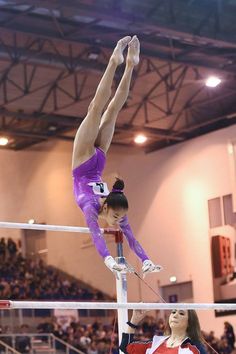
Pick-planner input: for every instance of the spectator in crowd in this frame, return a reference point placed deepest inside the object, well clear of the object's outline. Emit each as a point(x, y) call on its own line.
point(149, 326)
point(92, 348)
point(12, 248)
point(2, 249)
point(229, 334)
point(7, 339)
point(224, 347)
point(212, 341)
point(23, 341)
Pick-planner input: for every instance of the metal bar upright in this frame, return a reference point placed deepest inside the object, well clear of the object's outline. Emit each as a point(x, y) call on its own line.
point(121, 285)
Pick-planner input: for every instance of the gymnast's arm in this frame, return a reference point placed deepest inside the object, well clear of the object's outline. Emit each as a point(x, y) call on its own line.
point(91, 216)
point(133, 243)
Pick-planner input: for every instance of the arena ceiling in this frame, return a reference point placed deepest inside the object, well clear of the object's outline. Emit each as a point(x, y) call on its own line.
point(52, 55)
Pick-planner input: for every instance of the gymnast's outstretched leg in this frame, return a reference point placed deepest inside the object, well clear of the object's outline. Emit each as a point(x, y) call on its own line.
point(88, 131)
point(107, 126)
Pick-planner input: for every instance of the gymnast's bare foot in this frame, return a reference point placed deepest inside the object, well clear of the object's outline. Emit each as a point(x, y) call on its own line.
point(117, 55)
point(133, 51)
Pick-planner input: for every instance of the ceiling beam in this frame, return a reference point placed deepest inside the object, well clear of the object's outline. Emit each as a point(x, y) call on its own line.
point(150, 43)
point(195, 131)
point(66, 121)
point(74, 122)
point(35, 135)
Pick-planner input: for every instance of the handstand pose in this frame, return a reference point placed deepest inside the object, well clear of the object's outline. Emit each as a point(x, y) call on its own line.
point(91, 144)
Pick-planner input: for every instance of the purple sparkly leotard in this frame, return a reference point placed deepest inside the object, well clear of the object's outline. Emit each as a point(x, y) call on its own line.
point(91, 171)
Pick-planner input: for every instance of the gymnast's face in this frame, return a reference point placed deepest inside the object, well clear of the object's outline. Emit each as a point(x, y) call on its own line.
point(178, 319)
point(113, 216)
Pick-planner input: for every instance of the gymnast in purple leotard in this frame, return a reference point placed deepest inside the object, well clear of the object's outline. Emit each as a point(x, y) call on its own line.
point(92, 141)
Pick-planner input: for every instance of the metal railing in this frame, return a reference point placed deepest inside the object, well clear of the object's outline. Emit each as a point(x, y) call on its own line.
point(69, 348)
point(8, 349)
point(38, 341)
point(22, 314)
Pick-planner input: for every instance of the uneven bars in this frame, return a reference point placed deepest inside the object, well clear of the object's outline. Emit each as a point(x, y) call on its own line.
point(8, 304)
point(45, 227)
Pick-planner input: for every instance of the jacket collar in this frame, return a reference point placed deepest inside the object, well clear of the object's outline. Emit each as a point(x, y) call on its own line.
point(158, 340)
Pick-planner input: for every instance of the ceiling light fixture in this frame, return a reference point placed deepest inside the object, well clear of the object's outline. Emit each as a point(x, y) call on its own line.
point(213, 81)
point(173, 279)
point(94, 53)
point(3, 141)
point(31, 221)
point(140, 139)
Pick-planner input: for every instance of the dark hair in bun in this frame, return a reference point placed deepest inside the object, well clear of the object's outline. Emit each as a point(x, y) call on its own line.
point(118, 186)
point(116, 199)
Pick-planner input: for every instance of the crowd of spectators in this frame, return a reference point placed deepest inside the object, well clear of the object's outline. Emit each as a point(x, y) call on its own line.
point(22, 279)
point(32, 279)
point(94, 338)
point(97, 338)
point(223, 345)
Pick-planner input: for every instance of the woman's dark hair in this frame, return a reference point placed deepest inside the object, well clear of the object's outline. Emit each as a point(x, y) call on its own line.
point(193, 330)
point(116, 198)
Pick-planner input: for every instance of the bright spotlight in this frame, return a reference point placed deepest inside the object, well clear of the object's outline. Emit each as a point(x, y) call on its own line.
point(3, 141)
point(173, 279)
point(140, 139)
point(31, 221)
point(213, 81)
point(230, 148)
